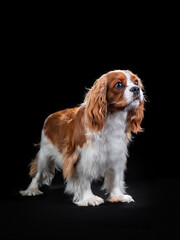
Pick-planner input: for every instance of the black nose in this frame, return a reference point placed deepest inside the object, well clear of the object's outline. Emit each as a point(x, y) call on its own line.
point(135, 90)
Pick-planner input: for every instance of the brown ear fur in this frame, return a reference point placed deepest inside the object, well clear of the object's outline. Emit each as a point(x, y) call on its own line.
point(96, 104)
point(134, 119)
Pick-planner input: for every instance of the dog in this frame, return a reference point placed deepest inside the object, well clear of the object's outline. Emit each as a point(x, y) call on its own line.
point(90, 141)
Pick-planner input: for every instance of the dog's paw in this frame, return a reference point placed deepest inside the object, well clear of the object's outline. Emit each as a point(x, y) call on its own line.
point(31, 192)
point(91, 201)
point(127, 198)
point(122, 198)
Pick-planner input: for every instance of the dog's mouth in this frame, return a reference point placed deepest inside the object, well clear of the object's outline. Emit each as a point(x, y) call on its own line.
point(136, 101)
point(136, 98)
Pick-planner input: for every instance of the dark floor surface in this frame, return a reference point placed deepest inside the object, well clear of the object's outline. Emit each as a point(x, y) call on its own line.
point(154, 215)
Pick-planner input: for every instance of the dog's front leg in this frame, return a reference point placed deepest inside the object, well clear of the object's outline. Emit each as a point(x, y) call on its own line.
point(80, 187)
point(115, 186)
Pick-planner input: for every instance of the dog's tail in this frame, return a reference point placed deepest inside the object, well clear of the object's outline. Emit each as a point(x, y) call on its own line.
point(33, 163)
point(33, 167)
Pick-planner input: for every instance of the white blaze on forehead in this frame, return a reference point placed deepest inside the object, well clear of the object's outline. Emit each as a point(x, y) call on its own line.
point(128, 77)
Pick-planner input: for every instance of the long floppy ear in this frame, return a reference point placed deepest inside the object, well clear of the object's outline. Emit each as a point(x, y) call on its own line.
point(96, 104)
point(134, 120)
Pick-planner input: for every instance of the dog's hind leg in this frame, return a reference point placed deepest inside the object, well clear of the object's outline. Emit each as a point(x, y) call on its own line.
point(41, 171)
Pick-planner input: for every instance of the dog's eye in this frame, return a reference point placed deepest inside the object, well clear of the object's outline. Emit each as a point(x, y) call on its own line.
point(136, 82)
point(119, 85)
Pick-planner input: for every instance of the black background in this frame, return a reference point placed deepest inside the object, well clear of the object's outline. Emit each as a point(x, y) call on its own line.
point(47, 66)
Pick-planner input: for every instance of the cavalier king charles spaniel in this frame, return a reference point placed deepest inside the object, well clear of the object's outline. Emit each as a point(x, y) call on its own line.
point(90, 141)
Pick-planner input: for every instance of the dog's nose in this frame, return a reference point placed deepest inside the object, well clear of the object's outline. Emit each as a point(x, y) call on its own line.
point(135, 90)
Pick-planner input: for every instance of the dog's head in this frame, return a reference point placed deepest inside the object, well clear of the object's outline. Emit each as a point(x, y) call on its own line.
point(112, 92)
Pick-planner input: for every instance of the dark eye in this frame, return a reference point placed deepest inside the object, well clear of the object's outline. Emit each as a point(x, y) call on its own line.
point(136, 82)
point(119, 85)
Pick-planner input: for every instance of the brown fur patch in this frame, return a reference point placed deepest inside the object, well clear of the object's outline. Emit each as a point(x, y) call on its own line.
point(66, 131)
point(96, 105)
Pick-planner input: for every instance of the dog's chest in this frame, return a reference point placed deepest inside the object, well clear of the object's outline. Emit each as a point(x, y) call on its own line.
point(112, 139)
point(106, 147)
